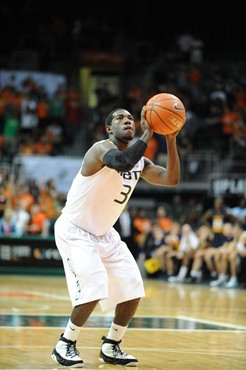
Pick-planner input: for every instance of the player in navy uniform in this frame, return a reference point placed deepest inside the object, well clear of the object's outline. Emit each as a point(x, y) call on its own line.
point(98, 265)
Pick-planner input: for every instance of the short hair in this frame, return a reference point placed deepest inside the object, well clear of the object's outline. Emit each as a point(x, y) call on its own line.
point(108, 120)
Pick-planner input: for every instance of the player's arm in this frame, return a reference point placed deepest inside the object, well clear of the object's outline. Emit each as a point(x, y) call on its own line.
point(107, 154)
point(126, 159)
point(158, 175)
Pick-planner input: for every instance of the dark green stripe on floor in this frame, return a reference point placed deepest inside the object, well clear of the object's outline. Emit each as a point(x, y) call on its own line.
point(105, 322)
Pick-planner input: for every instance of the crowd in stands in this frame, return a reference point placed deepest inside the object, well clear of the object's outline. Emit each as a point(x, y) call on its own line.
point(214, 95)
point(29, 209)
point(215, 104)
point(32, 122)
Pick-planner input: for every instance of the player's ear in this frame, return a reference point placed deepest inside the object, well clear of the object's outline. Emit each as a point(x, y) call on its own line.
point(109, 129)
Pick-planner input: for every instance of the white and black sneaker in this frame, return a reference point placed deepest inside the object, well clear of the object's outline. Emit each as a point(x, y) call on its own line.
point(66, 353)
point(113, 354)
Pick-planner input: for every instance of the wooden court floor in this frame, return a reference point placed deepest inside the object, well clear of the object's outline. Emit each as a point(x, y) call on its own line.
point(176, 326)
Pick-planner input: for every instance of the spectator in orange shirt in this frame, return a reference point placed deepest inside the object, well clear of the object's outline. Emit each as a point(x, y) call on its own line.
point(163, 221)
point(39, 222)
point(43, 112)
point(47, 199)
point(142, 225)
point(22, 196)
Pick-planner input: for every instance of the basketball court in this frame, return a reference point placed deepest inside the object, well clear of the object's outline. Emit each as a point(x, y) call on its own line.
point(176, 326)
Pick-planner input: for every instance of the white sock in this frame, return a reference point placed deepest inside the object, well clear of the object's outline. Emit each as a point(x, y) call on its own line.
point(182, 272)
point(116, 332)
point(72, 331)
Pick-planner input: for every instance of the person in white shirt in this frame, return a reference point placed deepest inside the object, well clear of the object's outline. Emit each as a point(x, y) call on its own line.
point(98, 265)
point(21, 219)
point(189, 243)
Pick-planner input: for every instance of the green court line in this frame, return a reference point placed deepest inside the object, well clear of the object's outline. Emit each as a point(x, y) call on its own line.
point(105, 322)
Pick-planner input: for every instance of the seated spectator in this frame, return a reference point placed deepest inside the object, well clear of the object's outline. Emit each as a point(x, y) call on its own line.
point(239, 212)
point(189, 243)
point(163, 220)
point(213, 255)
point(221, 255)
point(154, 242)
point(171, 243)
point(205, 236)
point(216, 217)
point(234, 259)
point(142, 225)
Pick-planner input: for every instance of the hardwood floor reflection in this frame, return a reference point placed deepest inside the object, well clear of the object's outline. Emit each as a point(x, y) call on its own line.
point(176, 326)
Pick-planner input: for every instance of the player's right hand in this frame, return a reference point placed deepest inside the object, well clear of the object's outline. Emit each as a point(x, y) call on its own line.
point(144, 124)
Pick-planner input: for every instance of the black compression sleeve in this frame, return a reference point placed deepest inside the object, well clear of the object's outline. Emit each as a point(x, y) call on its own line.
point(125, 160)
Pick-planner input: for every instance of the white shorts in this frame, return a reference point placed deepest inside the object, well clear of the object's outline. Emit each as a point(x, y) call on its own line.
point(97, 268)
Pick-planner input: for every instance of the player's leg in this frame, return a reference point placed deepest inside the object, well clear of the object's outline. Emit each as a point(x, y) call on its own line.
point(87, 283)
point(125, 290)
point(65, 351)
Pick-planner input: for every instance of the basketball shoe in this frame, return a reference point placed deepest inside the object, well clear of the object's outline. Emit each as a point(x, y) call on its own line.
point(113, 354)
point(66, 353)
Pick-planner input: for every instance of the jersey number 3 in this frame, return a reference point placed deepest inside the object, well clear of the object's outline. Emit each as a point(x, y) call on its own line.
point(124, 194)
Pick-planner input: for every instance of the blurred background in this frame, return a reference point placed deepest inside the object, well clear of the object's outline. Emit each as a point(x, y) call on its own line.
point(64, 67)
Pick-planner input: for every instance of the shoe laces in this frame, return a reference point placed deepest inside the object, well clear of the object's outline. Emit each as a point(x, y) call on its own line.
point(72, 350)
point(118, 350)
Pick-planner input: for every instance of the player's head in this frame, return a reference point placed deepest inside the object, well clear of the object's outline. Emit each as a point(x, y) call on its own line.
point(120, 124)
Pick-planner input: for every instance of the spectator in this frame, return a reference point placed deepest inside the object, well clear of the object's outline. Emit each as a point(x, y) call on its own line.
point(239, 212)
point(142, 225)
point(205, 236)
point(215, 217)
point(7, 225)
point(163, 220)
point(213, 254)
point(232, 234)
point(189, 243)
point(234, 259)
point(21, 219)
point(154, 242)
point(39, 223)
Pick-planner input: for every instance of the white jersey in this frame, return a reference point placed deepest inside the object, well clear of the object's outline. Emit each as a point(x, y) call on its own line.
point(94, 203)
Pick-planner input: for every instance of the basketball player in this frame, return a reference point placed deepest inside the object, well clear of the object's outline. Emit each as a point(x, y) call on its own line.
point(98, 265)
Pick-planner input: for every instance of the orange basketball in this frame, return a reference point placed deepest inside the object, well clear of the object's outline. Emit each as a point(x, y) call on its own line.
point(165, 113)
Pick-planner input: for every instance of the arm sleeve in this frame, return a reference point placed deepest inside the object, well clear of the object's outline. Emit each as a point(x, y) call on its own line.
point(125, 160)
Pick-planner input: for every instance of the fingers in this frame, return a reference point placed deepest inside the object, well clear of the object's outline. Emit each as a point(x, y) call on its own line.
point(143, 112)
